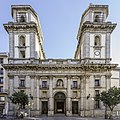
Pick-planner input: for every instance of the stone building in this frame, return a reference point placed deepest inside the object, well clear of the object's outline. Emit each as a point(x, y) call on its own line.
point(60, 86)
point(3, 91)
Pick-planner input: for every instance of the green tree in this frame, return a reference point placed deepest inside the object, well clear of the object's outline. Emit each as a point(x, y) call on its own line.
point(19, 98)
point(110, 98)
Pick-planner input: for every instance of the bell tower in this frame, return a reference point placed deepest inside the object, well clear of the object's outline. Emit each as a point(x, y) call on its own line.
point(25, 35)
point(94, 35)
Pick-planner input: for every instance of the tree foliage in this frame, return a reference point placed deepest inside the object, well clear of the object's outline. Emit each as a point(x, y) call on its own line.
point(110, 98)
point(19, 98)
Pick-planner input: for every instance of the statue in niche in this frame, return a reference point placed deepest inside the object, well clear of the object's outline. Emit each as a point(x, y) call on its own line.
point(60, 83)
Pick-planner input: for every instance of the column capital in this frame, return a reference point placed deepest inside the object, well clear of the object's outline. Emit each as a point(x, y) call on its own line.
point(108, 76)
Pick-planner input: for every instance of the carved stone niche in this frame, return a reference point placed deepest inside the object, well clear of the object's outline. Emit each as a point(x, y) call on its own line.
point(59, 83)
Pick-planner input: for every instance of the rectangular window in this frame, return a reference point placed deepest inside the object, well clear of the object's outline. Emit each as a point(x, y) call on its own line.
point(1, 71)
point(44, 84)
point(1, 80)
point(1, 88)
point(97, 82)
point(22, 83)
point(1, 60)
point(74, 84)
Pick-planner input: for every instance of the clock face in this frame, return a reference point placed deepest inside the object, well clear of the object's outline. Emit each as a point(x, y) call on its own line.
point(97, 53)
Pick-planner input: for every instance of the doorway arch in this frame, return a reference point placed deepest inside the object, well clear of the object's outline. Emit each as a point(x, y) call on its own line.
point(59, 103)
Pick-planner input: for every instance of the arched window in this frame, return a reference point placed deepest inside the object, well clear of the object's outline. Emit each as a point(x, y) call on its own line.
point(97, 41)
point(22, 41)
point(59, 83)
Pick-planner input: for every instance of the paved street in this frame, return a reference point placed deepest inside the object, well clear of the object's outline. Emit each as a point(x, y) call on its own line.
point(56, 118)
point(68, 118)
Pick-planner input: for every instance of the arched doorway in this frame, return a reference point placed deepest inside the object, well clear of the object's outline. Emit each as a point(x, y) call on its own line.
point(59, 103)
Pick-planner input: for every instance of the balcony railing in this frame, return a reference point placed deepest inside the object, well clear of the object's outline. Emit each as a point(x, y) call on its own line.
point(21, 86)
point(44, 86)
point(75, 86)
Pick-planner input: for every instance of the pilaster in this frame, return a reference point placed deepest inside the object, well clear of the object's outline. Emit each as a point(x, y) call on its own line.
point(87, 45)
point(108, 82)
point(107, 46)
point(11, 44)
point(51, 100)
point(83, 96)
point(11, 106)
point(32, 45)
point(87, 79)
point(38, 100)
point(68, 100)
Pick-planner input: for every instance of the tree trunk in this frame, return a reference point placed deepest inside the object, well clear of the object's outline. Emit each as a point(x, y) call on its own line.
point(110, 116)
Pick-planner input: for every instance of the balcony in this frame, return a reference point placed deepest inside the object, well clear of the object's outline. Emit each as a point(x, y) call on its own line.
point(75, 86)
point(97, 86)
point(22, 86)
point(44, 86)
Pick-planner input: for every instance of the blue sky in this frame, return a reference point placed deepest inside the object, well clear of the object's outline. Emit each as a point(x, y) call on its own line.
point(60, 21)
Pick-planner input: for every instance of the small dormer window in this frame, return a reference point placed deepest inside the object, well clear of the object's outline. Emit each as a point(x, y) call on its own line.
point(97, 41)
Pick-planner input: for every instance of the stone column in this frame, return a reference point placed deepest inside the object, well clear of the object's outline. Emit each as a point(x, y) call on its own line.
point(107, 46)
point(38, 97)
point(32, 92)
point(83, 96)
point(51, 100)
point(68, 100)
point(32, 45)
point(16, 81)
point(11, 91)
point(27, 83)
point(108, 85)
point(11, 44)
point(87, 94)
point(86, 45)
point(29, 16)
point(108, 82)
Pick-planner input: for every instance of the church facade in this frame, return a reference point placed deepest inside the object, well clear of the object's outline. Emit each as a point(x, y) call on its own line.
point(60, 86)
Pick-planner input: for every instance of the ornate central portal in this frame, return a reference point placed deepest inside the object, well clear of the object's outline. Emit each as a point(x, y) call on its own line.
point(59, 103)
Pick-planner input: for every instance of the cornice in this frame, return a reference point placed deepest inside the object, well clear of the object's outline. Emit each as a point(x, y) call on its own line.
point(13, 26)
point(64, 67)
point(107, 26)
